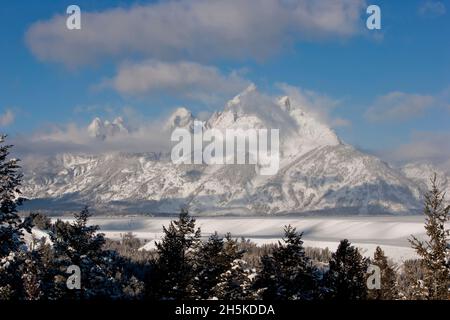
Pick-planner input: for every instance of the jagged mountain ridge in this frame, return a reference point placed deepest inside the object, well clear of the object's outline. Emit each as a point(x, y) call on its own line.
point(318, 173)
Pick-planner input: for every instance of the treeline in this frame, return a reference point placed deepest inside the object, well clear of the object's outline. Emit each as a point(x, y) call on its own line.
point(183, 266)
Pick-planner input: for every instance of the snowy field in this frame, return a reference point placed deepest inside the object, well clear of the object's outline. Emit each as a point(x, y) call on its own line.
point(391, 233)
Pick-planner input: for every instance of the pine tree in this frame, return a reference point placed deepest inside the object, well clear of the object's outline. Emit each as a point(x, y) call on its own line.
point(213, 259)
point(80, 244)
point(10, 222)
point(346, 278)
point(288, 273)
point(11, 226)
point(77, 240)
point(176, 268)
point(435, 252)
point(411, 282)
point(32, 276)
point(237, 283)
point(389, 287)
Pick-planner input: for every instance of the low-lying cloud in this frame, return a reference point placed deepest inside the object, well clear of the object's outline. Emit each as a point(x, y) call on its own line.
point(72, 138)
point(430, 147)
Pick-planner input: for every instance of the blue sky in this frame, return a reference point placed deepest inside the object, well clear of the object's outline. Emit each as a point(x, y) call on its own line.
point(391, 87)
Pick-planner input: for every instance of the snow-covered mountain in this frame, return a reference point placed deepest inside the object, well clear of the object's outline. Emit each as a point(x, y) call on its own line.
point(318, 172)
point(421, 173)
point(180, 118)
point(105, 129)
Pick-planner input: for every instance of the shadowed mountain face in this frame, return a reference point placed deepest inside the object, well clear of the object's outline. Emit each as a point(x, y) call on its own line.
point(317, 173)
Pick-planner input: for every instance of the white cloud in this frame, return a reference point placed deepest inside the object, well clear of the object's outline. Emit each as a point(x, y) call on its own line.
point(7, 118)
point(432, 147)
point(194, 30)
point(320, 105)
point(144, 137)
point(398, 106)
point(186, 79)
point(432, 8)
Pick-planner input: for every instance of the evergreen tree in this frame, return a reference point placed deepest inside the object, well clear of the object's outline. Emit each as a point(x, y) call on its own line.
point(237, 283)
point(288, 273)
point(346, 278)
point(176, 268)
point(213, 259)
point(389, 288)
point(40, 221)
point(32, 276)
point(80, 244)
point(411, 281)
point(77, 240)
point(11, 226)
point(435, 252)
point(10, 222)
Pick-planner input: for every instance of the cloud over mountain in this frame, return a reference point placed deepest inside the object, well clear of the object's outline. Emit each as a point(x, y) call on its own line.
point(431, 147)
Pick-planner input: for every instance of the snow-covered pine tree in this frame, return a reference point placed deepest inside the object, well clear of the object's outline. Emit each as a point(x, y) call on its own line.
point(176, 267)
point(237, 283)
point(435, 252)
point(213, 259)
point(77, 240)
point(80, 244)
point(389, 286)
point(288, 273)
point(209, 265)
point(32, 276)
point(346, 278)
point(411, 284)
point(40, 271)
point(11, 226)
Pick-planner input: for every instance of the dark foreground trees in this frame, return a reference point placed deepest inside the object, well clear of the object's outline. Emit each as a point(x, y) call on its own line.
point(214, 259)
point(174, 272)
point(12, 255)
point(287, 273)
point(346, 279)
point(388, 284)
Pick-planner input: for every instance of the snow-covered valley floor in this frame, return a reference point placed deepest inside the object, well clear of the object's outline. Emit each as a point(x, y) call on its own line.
point(390, 232)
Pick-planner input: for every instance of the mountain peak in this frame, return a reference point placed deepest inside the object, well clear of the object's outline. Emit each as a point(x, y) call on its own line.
point(285, 103)
point(238, 99)
point(300, 131)
point(105, 129)
point(180, 118)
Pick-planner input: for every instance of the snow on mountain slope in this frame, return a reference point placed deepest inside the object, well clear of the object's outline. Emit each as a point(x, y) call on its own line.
point(338, 179)
point(318, 173)
point(421, 174)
